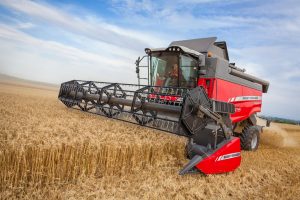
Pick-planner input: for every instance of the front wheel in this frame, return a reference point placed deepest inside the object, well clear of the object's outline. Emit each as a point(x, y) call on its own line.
point(250, 138)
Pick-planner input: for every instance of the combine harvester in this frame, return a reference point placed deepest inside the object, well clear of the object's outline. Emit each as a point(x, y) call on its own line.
point(193, 91)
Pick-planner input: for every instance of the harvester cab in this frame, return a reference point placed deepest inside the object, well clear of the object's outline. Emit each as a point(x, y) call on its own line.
point(191, 90)
point(175, 66)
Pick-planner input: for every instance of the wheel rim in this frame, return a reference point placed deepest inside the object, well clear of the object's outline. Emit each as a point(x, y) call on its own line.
point(254, 141)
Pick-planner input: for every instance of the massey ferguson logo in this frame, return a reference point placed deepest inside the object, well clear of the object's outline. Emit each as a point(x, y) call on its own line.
point(229, 156)
point(244, 98)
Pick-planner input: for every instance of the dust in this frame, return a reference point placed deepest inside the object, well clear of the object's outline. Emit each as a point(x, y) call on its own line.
point(276, 135)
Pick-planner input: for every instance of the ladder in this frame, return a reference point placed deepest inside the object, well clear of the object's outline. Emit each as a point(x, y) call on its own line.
point(138, 66)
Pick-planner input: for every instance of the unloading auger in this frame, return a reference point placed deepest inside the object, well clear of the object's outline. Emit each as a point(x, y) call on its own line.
point(192, 92)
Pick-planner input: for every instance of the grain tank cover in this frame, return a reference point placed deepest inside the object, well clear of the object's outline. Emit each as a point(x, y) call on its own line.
point(204, 45)
point(200, 44)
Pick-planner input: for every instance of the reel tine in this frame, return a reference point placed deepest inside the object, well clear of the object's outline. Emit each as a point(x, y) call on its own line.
point(151, 106)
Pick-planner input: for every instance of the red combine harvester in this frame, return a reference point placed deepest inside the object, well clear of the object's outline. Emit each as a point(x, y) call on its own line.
point(192, 90)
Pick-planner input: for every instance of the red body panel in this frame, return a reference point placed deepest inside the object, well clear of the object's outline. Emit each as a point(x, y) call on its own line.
point(226, 159)
point(247, 101)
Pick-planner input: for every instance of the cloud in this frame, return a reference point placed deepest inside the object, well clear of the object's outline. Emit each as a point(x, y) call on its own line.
point(22, 53)
point(176, 15)
point(68, 51)
point(89, 26)
point(40, 34)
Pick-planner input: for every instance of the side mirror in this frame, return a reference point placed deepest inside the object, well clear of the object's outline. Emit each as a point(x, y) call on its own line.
point(137, 64)
point(201, 58)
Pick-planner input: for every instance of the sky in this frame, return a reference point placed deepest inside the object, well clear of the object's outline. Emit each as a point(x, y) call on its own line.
point(56, 41)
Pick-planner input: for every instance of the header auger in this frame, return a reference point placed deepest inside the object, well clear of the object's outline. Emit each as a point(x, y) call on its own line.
point(192, 90)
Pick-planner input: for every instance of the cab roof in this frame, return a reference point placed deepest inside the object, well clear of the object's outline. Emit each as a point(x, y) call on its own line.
point(204, 45)
point(199, 46)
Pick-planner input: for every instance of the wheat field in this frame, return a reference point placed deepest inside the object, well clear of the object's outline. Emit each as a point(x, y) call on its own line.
point(48, 151)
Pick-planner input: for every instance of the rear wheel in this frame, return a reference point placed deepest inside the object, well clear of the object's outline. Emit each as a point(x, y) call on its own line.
point(250, 138)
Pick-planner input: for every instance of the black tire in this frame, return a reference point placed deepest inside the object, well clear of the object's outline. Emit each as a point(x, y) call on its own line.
point(250, 138)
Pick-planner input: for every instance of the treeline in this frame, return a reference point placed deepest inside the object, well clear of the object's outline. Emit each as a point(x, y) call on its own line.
point(280, 120)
